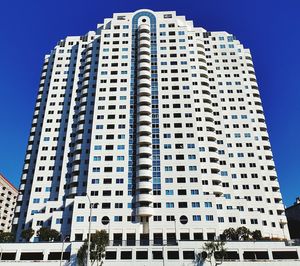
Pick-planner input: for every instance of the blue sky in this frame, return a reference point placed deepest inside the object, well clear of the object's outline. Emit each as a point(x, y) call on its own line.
point(271, 29)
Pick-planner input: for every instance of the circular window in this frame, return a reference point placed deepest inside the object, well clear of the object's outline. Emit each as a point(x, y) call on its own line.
point(105, 220)
point(144, 20)
point(183, 219)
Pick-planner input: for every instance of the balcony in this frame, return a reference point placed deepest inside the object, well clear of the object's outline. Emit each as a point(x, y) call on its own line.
point(145, 90)
point(145, 162)
point(144, 198)
point(146, 140)
point(145, 130)
point(144, 82)
point(145, 110)
point(144, 120)
point(146, 185)
point(144, 211)
point(143, 173)
point(144, 100)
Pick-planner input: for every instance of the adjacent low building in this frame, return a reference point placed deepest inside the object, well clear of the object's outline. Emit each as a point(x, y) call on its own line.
point(293, 217)
point(8, 197)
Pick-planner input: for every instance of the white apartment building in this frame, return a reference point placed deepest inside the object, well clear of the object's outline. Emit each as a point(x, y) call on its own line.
point(8, 198)
point(159, 124)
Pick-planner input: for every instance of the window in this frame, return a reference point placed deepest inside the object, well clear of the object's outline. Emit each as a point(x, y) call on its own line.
point(36, 200)
point(169, 192)
point(118, 218)
point(79, 219)
point(196, 218)
point(195, 192)
point(208, 204)
point(209, 217)
point(169, 204)
point(195, 204)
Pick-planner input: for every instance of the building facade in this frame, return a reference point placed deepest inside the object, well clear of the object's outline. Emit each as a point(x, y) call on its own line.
point(8, 199)
point(159, 124)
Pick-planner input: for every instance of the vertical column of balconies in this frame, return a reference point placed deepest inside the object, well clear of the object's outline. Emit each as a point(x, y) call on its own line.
point(144, 128)
point(32, 147)
point(209, 122)
point(81, 120)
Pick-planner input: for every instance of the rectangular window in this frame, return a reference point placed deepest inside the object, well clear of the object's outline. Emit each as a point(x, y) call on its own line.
point(79, 219)
point(196, 218)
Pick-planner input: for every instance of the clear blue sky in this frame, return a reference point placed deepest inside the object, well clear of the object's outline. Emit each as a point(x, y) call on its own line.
point(271, 29)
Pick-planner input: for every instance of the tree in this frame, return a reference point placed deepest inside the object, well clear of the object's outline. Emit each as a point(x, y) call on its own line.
point(256, 235)
point(27, 234)
point(47, 234)
point(7, 237)
point(215, 252)
point(99, 241)
point(230, 234)
point(243, 233)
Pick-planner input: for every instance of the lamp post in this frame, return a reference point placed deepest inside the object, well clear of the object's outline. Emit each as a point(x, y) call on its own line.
point(1, 250)
point(62, 249)
point(89, 233)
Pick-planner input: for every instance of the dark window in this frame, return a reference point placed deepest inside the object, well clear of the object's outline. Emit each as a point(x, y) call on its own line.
point(184, 236)
point(78, 237)
point(157, 255)
point(181, 192)
point(110, 255)
point(188, 255)
point(142, 255)
point(198, 236)
point(182, 204)
point(126, 255)
point(173, 255)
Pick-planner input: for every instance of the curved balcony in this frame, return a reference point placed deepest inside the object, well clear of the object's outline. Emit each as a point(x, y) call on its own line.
point(144, 28)
point(145, 140)
point(144, 36)
point(145, 110)
point(144, 120)
point(144, 211)
point(146, 151)
point(145, 130)
point(144, 173)
point(145, 91)
point(144, 82)
point(74, 179)
point(75, 168)
point(144, 58)
point(145, 185)
point(218, 192)
point(144, 74)
point(144, 43)
point(144, 66)
point(208, 110)
point(144, 161)
point(20, 197)
point(18, 209)
point(73, 190)
point(144, 100)
point(144, 198)
point(77, 157)
point(144, 51)
point(85, 83)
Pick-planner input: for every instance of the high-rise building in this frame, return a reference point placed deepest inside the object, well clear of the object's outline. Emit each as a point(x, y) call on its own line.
point(8, 198)
point(159, 124)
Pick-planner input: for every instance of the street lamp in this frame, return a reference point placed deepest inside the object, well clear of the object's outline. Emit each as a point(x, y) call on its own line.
point(62, 249)
point(89, 233)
